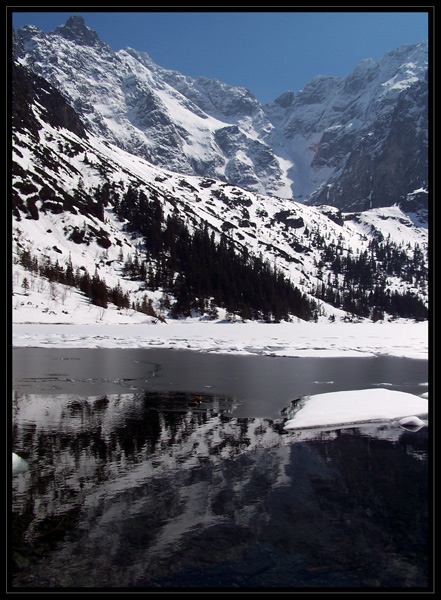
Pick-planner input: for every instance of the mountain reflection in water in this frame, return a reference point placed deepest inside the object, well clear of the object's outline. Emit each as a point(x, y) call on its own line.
point(169, 490)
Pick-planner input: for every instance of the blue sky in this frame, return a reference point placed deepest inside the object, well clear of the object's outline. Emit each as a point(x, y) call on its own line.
point(266, 52)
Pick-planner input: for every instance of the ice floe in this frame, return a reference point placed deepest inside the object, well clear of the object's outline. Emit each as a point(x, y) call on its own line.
point(344, 408)
point(412, 422)
point(19, 465)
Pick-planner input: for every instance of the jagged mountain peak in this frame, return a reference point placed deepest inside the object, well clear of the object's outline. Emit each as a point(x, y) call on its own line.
point(76, 30)
point(297, 147)
point(285, 99)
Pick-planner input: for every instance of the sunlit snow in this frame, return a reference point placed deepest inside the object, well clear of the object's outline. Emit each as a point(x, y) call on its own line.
point(357, 406)
point(296, 339)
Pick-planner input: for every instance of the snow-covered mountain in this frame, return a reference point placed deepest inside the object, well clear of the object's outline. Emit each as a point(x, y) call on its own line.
point(357, 142)
point(360, 141)
point(97, 227)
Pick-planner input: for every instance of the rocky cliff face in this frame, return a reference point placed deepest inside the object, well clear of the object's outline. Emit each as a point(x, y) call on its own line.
point(385, 165)
point(361, 141)
point(354, 142)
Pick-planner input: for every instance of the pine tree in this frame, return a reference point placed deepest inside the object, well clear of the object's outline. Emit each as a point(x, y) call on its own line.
point(98, 291)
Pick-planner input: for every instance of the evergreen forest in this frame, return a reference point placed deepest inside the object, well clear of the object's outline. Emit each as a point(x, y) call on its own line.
point(198, 273)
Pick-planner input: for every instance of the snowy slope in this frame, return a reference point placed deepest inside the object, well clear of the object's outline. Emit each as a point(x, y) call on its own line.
point(347, 264)
point(298, 146)
point(201, 126)
point(335, 120)
point(285, 233)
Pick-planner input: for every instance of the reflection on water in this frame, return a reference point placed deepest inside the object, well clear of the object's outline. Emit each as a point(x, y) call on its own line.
point(262, 385)
point(170, 490)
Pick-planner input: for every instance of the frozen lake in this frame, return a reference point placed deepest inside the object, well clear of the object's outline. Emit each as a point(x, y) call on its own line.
point(171, 469)
point(261, 386)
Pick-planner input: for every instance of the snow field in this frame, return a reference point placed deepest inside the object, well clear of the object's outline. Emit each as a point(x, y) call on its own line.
point(404, 338)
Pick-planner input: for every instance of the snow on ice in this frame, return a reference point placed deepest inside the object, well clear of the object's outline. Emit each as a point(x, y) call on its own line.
point(357, 406)
point(296, 339)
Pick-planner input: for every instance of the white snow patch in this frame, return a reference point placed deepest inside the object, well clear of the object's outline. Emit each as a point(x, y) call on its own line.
point(356, 406)
point(19, 465)
point(412, 422)
point(296, 339)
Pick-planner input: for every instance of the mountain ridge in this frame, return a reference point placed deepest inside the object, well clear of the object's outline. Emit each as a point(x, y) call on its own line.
point(84, 225)
point(204, 127)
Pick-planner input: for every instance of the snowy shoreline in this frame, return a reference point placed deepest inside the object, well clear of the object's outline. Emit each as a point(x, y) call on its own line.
point(297, 339)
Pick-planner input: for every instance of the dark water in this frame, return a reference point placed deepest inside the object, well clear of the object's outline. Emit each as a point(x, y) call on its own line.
point(260, 385)
point(171, 470)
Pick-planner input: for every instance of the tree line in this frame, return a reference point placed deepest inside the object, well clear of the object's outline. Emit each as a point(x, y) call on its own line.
point(358, 283)
point(198, 273)
point(92, 286)
point(201, 272)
